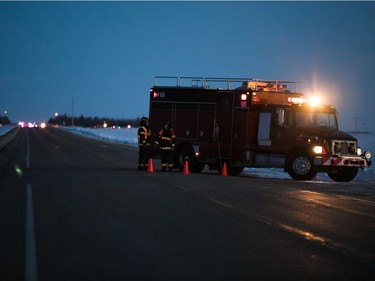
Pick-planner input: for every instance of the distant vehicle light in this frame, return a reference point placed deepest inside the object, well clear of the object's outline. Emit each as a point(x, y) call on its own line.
point(129, 126)
point(43, 125)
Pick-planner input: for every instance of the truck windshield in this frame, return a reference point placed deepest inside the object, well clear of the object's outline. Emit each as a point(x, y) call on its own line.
point(316, 119)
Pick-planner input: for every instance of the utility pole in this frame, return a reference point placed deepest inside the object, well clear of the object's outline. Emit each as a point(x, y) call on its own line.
point(356, 123)
point(72, 112)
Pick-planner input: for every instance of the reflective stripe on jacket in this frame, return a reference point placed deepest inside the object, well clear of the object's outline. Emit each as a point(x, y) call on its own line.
point(143, 137)
point(166, 139)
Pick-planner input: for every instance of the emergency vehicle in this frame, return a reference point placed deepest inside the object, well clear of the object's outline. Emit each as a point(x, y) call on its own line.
point(253, 123)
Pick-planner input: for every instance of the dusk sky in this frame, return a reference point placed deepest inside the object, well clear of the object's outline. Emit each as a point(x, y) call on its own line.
point(104, 55)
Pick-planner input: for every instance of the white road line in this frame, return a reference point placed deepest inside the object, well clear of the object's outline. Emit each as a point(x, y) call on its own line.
point(28, 151)
point(229, 206)
point(31, 271)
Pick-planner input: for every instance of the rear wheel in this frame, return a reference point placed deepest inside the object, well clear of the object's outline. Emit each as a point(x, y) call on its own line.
point(186, 152)
point(343, 174)
point(300, 166)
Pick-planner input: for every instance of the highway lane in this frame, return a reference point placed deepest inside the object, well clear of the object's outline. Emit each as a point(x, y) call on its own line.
point(95, 217)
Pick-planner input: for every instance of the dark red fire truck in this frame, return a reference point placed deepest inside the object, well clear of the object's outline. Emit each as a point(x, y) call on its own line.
point(253, 123)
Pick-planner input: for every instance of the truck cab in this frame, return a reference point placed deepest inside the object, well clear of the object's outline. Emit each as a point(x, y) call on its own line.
point(309, 138)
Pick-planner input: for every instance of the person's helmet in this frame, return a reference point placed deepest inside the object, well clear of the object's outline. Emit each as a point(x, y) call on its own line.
point(144, 121)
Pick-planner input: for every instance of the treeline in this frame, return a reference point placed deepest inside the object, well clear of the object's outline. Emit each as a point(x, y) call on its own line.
point(4, 120)
point(96, 122)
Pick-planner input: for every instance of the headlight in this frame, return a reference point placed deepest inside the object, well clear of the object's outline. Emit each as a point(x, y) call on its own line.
point(318, 149)
point(367, 154)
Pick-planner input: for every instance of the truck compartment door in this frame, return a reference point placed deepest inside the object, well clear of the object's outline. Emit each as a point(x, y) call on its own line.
point(239, 140)
point(264, 129)
point(186, 120)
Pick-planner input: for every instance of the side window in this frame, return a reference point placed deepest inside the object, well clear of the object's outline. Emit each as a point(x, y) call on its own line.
point(284, 118)
point(289, 120)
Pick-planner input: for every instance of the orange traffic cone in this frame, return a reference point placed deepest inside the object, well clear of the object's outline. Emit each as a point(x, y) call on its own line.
point(186, 168)
point(224, 170)
point(150, 166)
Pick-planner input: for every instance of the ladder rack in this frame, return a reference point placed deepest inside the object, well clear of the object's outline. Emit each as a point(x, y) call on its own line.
point(227, 83)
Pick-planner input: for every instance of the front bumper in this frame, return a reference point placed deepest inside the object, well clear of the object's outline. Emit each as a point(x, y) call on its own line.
point(342, 161)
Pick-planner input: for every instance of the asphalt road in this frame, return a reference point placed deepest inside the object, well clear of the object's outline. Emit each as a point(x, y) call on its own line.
point(74, 208)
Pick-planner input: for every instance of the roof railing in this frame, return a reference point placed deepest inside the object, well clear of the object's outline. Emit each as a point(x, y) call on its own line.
point(255, 84)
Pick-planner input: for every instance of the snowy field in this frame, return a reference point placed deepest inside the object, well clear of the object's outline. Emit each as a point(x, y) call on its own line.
point(129, 137)
point(5, 129)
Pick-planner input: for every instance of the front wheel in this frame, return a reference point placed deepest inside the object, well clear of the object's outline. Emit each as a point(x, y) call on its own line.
point(343, 174)
point(300, 166)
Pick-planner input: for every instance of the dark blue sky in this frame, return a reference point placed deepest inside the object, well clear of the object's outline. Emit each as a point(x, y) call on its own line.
point(104, 55)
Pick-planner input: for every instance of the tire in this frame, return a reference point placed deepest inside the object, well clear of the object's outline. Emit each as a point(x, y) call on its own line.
point(186, 152)
point(343, 174)
point(300, 166)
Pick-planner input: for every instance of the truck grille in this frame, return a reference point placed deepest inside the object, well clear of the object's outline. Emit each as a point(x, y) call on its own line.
point(340, 147)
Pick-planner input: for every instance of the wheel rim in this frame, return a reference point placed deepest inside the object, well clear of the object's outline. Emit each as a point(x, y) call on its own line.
point(301, 165)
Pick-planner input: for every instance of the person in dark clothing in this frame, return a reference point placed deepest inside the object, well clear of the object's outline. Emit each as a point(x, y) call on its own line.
point(166, 142)
point(144, 139)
